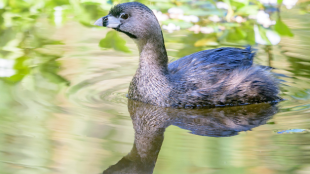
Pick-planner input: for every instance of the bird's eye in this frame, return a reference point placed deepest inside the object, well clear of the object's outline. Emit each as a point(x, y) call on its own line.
point(124, 16)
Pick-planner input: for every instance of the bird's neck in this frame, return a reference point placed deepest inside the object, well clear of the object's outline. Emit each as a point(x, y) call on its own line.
point(146, 147)
point(153, 55)
point(149, 135)
point(151, 81)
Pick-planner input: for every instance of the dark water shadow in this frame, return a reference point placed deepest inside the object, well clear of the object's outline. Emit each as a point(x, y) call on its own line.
point(150, 123)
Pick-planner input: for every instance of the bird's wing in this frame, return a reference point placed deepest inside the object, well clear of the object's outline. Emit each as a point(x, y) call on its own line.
point(226, 58)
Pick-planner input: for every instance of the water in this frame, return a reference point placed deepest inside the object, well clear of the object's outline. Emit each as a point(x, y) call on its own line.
point(66, 111)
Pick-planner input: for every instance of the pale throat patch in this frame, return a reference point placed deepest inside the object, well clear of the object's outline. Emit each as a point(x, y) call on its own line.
point(113, 22)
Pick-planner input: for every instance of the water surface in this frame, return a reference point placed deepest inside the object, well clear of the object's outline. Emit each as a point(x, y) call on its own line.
point(66, 111)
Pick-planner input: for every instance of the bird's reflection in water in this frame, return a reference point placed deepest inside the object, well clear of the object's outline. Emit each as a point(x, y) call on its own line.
point(151, 121)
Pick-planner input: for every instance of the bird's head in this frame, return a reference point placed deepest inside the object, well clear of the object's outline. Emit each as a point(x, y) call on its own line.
point(134, 19)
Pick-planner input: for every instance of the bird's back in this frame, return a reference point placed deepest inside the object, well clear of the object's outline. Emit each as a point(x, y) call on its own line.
point(223, 59)
point(219, 77)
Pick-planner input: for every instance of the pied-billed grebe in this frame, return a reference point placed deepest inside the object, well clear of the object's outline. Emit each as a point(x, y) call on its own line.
point(150, 123)
point(223, 76)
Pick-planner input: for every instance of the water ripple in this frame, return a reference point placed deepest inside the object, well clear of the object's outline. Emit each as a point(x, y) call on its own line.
point(99, 90)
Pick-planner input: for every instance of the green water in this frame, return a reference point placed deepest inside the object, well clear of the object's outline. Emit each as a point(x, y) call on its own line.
point(63, 105)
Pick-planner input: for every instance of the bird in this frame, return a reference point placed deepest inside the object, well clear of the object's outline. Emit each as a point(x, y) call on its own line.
point(150, 123)
point(210, 78)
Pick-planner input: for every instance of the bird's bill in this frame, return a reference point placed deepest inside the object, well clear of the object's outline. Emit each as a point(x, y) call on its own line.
point(108, 21)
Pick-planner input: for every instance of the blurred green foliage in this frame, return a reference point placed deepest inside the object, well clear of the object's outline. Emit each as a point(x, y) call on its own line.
point(21, 33)
point(113, 40)
point(282, 29)
point(304, 6)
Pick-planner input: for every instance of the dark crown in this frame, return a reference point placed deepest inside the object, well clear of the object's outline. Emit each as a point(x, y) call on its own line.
point(119, 8)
